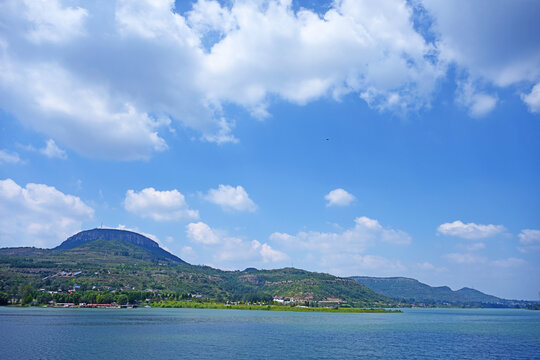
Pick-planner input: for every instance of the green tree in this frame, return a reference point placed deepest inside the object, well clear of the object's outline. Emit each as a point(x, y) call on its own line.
point(44, 298)
point(26, 300)
point(26, 294)
point(4, 298)
point(122, 299)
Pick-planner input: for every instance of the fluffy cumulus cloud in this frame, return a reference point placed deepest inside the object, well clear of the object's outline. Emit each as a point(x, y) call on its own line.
point(354, 47)
point(231, 251)
point(529, 240)
point(231, 198)
point(51, 150)
point(108, 78)
point(159, 205)
point(344, 252)
point(532, 99)
point(339, 197)
point(38, 215)
point(201, 233)
point(489, 43)
point(470, 231)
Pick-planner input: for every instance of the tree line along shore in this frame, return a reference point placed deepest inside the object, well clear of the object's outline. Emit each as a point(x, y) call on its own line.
point(132, 299)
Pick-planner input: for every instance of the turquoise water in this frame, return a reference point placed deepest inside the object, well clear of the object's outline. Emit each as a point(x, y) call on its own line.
point(38, 333)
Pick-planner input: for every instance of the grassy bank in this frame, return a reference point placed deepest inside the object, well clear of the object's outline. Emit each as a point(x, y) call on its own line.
point(216, 305)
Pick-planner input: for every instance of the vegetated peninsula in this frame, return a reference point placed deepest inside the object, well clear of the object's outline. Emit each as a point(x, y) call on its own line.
point(100, 267)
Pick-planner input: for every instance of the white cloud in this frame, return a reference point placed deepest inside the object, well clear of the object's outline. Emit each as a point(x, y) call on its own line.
point(465, 258)
point(159, 205)
point(106, 78)
point(231, 198)
point(509, 262)
point(201, 233)
point(355, 240)
point(269, 254)
point(109, 78)
point(356, 46)
point(343, 252)
point(470, 231)
point(237, 250)
point(51, 150)
point(38, 215)
point(425, 266)
point(339, 197)
point(529, 239)
point(188, 254)
point(227, 251)
point(469, 34)
point(50, 22)
point(476, 246)
point(7, 157)
point(355, 264)
point(478, 103)
point(396, 237)
point(533, 99)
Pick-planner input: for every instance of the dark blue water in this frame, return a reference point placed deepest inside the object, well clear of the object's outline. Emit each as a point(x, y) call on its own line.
point(37, 333)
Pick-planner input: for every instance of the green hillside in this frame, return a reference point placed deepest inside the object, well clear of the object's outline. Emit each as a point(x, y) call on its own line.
point(413, 291)
point(120, 265)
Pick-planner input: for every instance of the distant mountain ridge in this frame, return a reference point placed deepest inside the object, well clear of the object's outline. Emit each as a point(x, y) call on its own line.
point(413, 291)
point(134, 238)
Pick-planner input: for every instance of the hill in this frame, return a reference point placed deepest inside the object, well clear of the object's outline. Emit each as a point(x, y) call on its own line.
point(131, 237)
point(413, 291)
point(123, 260)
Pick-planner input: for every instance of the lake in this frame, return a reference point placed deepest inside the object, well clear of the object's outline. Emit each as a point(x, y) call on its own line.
point(47, 333)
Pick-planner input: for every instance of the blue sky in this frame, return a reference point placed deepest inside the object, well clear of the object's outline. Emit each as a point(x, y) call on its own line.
point(351, 137)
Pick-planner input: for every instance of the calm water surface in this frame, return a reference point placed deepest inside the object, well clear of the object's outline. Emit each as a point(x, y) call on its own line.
point(37, 333)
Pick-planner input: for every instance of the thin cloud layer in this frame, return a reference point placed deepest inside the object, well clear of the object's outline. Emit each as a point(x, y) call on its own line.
point(38, 215)
point(344, 252)
point(529, 240)
point(7, 157)
point(159, 205)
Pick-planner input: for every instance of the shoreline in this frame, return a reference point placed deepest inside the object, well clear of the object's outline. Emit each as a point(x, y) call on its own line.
point(221, 306)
